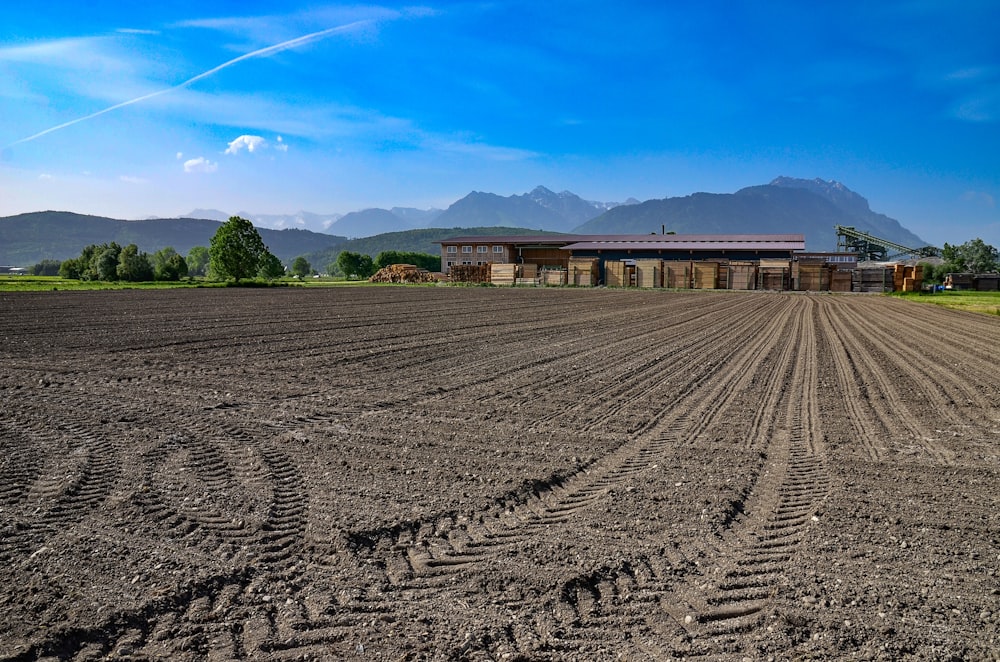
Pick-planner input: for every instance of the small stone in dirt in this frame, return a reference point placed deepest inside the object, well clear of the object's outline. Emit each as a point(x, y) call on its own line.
point(689, 619)
point(809, 600)
point(985, 614)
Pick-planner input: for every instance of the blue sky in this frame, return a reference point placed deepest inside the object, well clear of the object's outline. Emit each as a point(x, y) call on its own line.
point(132, 109)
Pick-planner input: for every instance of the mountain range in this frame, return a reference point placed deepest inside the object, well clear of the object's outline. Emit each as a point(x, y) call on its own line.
point(785, 205)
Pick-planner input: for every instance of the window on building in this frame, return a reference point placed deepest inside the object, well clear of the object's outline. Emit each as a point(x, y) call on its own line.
point(466, 249)
point(498, 249)
point(451, 263)
point(482, 249)
point(453, 249)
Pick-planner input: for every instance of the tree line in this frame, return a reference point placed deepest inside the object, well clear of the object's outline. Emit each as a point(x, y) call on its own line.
point(236, 252)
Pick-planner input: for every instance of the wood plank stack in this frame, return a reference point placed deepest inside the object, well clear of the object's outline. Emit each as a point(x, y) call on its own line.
point(907, 278)
point(649, 273)
point(704, 275)
point(553, 277)
point(808, 275)
point(614, 274)
point(987, 282)
point(582, 271)
point(840, 281)
point(774, 275)
point(470, 273)
point(503, 274)
point(872, 279)
point(742, 275)
point(677, 275)
point(402, 273)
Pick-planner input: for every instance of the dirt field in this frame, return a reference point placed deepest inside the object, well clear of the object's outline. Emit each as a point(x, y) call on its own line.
point(497, 474)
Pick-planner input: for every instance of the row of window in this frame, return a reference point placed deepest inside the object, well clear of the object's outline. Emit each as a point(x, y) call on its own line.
point(479, 249)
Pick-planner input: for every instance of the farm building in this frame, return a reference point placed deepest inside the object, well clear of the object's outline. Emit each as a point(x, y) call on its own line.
point(688, 261)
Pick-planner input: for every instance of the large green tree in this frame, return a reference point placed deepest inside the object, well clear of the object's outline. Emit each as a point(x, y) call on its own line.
point(197, 261)
point(976, 256)
point(271, 267)
point(168, 264)
point(237, 250)
point(355, 265)
point(133, 265)
point(301, 267)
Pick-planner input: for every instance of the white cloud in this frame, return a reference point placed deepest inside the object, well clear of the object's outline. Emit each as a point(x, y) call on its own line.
point(129, 179)
point(251, 143)
point(136, 31)
point(180, 155)
point(281, 146)
point(44, 176)
point(200, 164)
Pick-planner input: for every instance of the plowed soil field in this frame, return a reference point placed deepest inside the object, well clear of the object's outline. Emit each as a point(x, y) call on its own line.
point(496, 474)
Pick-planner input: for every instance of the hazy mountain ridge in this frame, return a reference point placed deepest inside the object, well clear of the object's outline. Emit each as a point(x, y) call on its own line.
point(26, 239)
point(786, 205)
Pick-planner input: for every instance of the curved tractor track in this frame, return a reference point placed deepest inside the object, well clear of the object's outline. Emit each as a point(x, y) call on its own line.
point(495, 474)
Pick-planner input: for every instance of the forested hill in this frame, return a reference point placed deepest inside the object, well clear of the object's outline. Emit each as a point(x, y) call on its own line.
point(27, 239)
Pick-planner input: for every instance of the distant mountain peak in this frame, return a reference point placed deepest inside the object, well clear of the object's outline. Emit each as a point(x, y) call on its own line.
point(832, 190)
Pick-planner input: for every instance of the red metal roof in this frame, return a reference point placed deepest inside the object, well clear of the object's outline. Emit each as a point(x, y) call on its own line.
point(646, 241)
point(722, 243)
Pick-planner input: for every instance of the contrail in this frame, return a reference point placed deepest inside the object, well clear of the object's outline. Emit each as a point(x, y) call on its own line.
point(276, 48)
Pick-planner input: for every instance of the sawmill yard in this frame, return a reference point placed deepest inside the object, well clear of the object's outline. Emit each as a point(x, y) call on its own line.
point(497, 474)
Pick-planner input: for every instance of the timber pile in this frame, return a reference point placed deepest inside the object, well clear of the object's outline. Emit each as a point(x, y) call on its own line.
point(742, 275)
point(988, 282)
point(582, 271)
point(553, 277)
point(470, 273)
point(705, 275)
point(402, 273)
point(840, 281)
point(872, 279)
point(614, 274)
point(677, 275)
point(906, 278)
point(503, 274)
point(649, 273)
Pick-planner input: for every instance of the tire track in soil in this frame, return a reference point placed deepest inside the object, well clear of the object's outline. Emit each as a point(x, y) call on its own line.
point(652, 602)
point(202, 618)
point(421, 559)
point(748, 575)
point(79, 472)
point(428, 556)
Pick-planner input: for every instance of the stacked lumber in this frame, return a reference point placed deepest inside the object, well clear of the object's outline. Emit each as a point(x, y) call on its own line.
point(810, 275)
point(553, 277)
point(402, 273)
point(470, 273)
point(704, 275)
point(677, 275)
point(840, 281)
point(528, 270)
point(774, 274)
point(649, 273)
point(742, 275)
point(987, 282)
point(907, 278)
point(872, 279)
point(503, 274)
point(582, 271)
point(615, 274)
